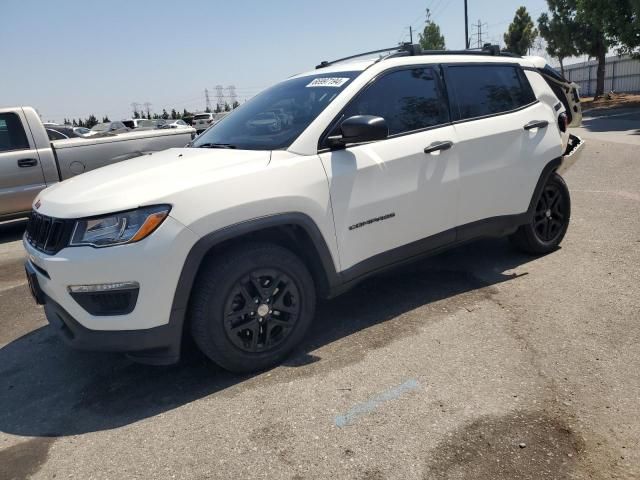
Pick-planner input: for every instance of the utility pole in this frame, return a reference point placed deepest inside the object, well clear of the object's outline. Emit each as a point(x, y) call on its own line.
point(466, 25)
point(207, 100)
point(147, 107)
point(411, 34)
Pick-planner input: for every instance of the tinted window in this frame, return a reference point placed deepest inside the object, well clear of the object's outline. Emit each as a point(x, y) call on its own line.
point(274, 118)
point(487, 89)
point(12, 136)
point(407, 99)
point(202, 117)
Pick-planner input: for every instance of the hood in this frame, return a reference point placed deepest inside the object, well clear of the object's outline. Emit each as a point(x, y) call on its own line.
point(146, 180)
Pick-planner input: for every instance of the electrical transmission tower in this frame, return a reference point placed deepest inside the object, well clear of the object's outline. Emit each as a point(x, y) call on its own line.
point(207, 99)
point(135, 106)
point(232, 95)
point(220, 97)
point(478, 34)
point(147, 108)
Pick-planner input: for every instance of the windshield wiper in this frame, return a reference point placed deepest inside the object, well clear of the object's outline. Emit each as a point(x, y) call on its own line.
point(216, 145)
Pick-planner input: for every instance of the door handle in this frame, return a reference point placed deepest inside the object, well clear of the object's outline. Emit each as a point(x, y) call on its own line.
point(536, 124)
point(27, 162)
point(437, 146)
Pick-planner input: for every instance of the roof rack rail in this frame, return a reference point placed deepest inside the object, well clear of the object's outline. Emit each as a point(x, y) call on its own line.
point(400, 50)
point(409, 49)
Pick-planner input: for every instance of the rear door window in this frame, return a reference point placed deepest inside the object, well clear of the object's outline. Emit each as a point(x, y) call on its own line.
point(408, 100)
point(481, 90)
point(12, 135)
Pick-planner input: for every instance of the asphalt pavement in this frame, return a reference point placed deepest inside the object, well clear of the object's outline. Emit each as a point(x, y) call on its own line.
point(480, 363)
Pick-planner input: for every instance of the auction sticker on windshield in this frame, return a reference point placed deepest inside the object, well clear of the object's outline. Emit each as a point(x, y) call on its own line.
point(328, 82)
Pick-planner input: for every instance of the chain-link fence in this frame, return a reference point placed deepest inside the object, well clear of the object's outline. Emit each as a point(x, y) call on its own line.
point(622, 74)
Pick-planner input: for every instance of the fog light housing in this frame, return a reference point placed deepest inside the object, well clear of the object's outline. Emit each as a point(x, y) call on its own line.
point(106, 299)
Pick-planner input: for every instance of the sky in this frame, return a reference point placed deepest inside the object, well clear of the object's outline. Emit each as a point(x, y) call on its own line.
point(70, 58)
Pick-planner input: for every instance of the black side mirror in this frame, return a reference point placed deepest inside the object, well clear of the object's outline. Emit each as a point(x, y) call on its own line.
point(361, 128)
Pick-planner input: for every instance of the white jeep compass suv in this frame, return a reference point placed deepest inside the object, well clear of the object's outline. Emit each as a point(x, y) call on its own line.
point(314, 184)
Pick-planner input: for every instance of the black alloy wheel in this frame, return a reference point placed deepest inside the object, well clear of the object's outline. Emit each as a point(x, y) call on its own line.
point(251, 306)
point(261, 310)
point(549, 221)
point(550, 215)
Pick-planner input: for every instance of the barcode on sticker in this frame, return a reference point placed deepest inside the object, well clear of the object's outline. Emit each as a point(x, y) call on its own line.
point(328, 82)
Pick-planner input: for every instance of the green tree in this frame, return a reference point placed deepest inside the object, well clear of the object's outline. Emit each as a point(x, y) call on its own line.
point(431, 38)
point(558, 31)
point(227, 107)
point(136, 114)
point(91, 121)
point(586, 24)
point(105, 119)
point(621, 23)
point(174, 114)
point(235, 105)
point(185, 113)
point(164, 115)
point(148, 115)
point(74, 123)
point(521, 33)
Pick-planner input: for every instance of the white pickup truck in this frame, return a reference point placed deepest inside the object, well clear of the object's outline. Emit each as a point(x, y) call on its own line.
point(30, 162)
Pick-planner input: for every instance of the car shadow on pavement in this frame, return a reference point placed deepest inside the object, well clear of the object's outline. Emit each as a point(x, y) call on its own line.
point(612, 124)
point(48, 389)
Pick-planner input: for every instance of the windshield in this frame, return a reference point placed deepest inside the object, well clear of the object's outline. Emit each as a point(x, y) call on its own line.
point(274, 118)
point(202, 117)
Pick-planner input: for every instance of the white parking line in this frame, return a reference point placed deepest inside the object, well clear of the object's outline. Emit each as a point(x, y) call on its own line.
point(373, 403)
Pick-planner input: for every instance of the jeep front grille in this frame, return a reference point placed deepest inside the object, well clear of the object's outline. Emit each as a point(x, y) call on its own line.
point(48, 234)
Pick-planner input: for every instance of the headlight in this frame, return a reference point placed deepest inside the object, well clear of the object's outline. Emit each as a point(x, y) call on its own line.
point(119, 228)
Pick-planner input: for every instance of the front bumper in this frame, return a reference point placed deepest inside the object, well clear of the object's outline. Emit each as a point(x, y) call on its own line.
point(156, 346)
point(154, 264)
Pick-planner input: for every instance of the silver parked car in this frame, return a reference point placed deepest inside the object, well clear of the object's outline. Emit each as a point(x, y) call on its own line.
point(110, 127)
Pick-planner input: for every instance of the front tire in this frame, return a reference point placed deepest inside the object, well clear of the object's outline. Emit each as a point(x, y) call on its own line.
point(549, 222)
point(251, 306)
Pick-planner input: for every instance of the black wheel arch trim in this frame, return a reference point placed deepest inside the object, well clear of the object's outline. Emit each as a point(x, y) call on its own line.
point(548, 169)
point(203, 246)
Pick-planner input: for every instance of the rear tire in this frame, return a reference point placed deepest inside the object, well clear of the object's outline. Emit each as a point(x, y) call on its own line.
point(252, 305)
point(549, 222)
